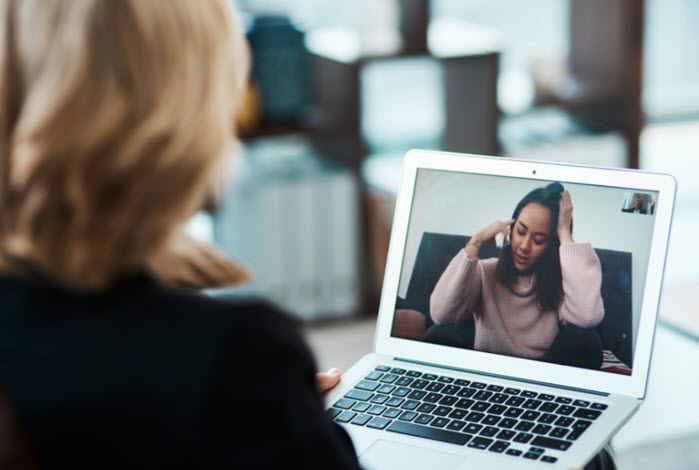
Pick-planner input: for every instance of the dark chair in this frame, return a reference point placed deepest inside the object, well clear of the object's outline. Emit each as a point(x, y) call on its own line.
point(16, 451)
point(437, 250)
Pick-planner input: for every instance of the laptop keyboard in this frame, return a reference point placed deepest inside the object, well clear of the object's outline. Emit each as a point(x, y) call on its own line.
point(505, 420)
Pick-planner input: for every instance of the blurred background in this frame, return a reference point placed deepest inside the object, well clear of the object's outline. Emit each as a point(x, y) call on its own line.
point(339, 92)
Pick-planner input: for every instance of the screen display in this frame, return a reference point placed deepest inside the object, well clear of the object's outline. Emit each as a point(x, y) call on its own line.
point(542, 270)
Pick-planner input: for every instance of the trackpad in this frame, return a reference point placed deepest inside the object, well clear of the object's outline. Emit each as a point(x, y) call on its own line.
point(385, 455)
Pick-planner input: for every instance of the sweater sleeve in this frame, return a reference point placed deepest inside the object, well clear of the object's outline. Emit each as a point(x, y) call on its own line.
point(582, 281)
point(457, 291)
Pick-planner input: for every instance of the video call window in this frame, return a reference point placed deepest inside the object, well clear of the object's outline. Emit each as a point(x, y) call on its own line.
point(526, 268)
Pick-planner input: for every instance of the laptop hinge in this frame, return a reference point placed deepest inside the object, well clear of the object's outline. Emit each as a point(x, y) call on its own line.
point(518, 379)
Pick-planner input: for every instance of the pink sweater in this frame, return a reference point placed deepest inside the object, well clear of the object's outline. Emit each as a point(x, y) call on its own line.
point(513, 324)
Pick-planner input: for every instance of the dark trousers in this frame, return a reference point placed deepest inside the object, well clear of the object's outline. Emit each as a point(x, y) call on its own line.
point(573, 346)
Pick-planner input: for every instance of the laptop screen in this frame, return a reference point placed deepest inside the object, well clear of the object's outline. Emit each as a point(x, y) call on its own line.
point(547, 271)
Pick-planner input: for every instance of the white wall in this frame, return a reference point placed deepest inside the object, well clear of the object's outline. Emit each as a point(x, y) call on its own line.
point(459, 203)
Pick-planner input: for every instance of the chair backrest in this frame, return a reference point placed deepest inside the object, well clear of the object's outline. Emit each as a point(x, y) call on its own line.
point(437, 250)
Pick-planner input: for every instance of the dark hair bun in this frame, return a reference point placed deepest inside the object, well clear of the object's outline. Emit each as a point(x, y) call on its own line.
point(553, 190)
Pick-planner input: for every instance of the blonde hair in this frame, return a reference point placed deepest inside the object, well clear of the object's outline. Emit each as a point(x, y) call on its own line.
point(115, 118)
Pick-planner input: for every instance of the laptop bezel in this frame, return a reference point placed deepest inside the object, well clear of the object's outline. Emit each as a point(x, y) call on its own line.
point(511, 367)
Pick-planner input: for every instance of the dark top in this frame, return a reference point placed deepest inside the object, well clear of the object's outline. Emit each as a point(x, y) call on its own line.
point(145, 376)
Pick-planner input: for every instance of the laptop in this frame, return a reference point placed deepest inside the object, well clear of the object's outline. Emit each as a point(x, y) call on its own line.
point(499, 381)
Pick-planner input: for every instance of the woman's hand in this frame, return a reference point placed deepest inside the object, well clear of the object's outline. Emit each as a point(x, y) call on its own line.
point(327, 380)
point(565, 217)
point(487, 235)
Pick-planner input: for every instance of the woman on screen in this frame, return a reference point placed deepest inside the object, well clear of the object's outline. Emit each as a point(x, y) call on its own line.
point(539, 299)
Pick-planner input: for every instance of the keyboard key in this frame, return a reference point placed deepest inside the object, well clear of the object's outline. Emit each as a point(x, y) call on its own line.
point(397, 370)
point(456, 425)
point(480, 406)
point(514, 452)
point(395, 401)
point(388, 378)
point(379, 399)
point(582, 424)
point(410, 405)
point(419, 384)
point(427, 432)
point(424, 419)
point(547, 418)
point(575, 434)
point(506, 435)
point(378, 423)
point(417, 394)
point(434, 387)
point(564, 421)
point(413, 373)
point(482, 395)
point(439, 422)
point(442, 411)
point(461, 382)
point(538, 450)
point(374, 375)
point(448, 400)
point(361, 407)
point(542, 429)
point(382, 368)
point(523, 437)
point(524, 426)
point(528, 394)
point(458, 414)
point(564, 400)
point(474, 417)
point(466, 392)
point(495, 388)
point(359, 395)
point(344, 403)
point(472, 428)
point(549, 459)
point(401, 392)
point(499, 446)
point(345, 417)
point(598, 406)
point(429, 376)
point(407, 416)
point(433, 397)
point(464, 403)
point(512, 391)
point(489, 431)
point(377, 410)
point(497, 409)
point(513, 412)
point(426, 408)
point(332, 412)
point(478, 385)
point(530, 415)
point(532, 455)
point(581, 403)
point(386, 388)
point(531, 404)
point(480, 443)
point(367, 385)
point(565, 410)
point(507, 423)
point(559, 432)
point(446, 380)
point(550, 443)
point(548, 407)
point(451, 390)
point(491, 420)
point(499, 398)
point(403, 381)
point(392, 413)
point(545, 397)
point(587, 414)
point(514, 401)
point(361, 420)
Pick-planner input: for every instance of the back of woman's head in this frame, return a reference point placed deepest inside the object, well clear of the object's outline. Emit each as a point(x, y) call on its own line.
point(115, 117)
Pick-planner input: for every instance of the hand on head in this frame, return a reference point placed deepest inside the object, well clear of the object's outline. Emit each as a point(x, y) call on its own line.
point(565, 217)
